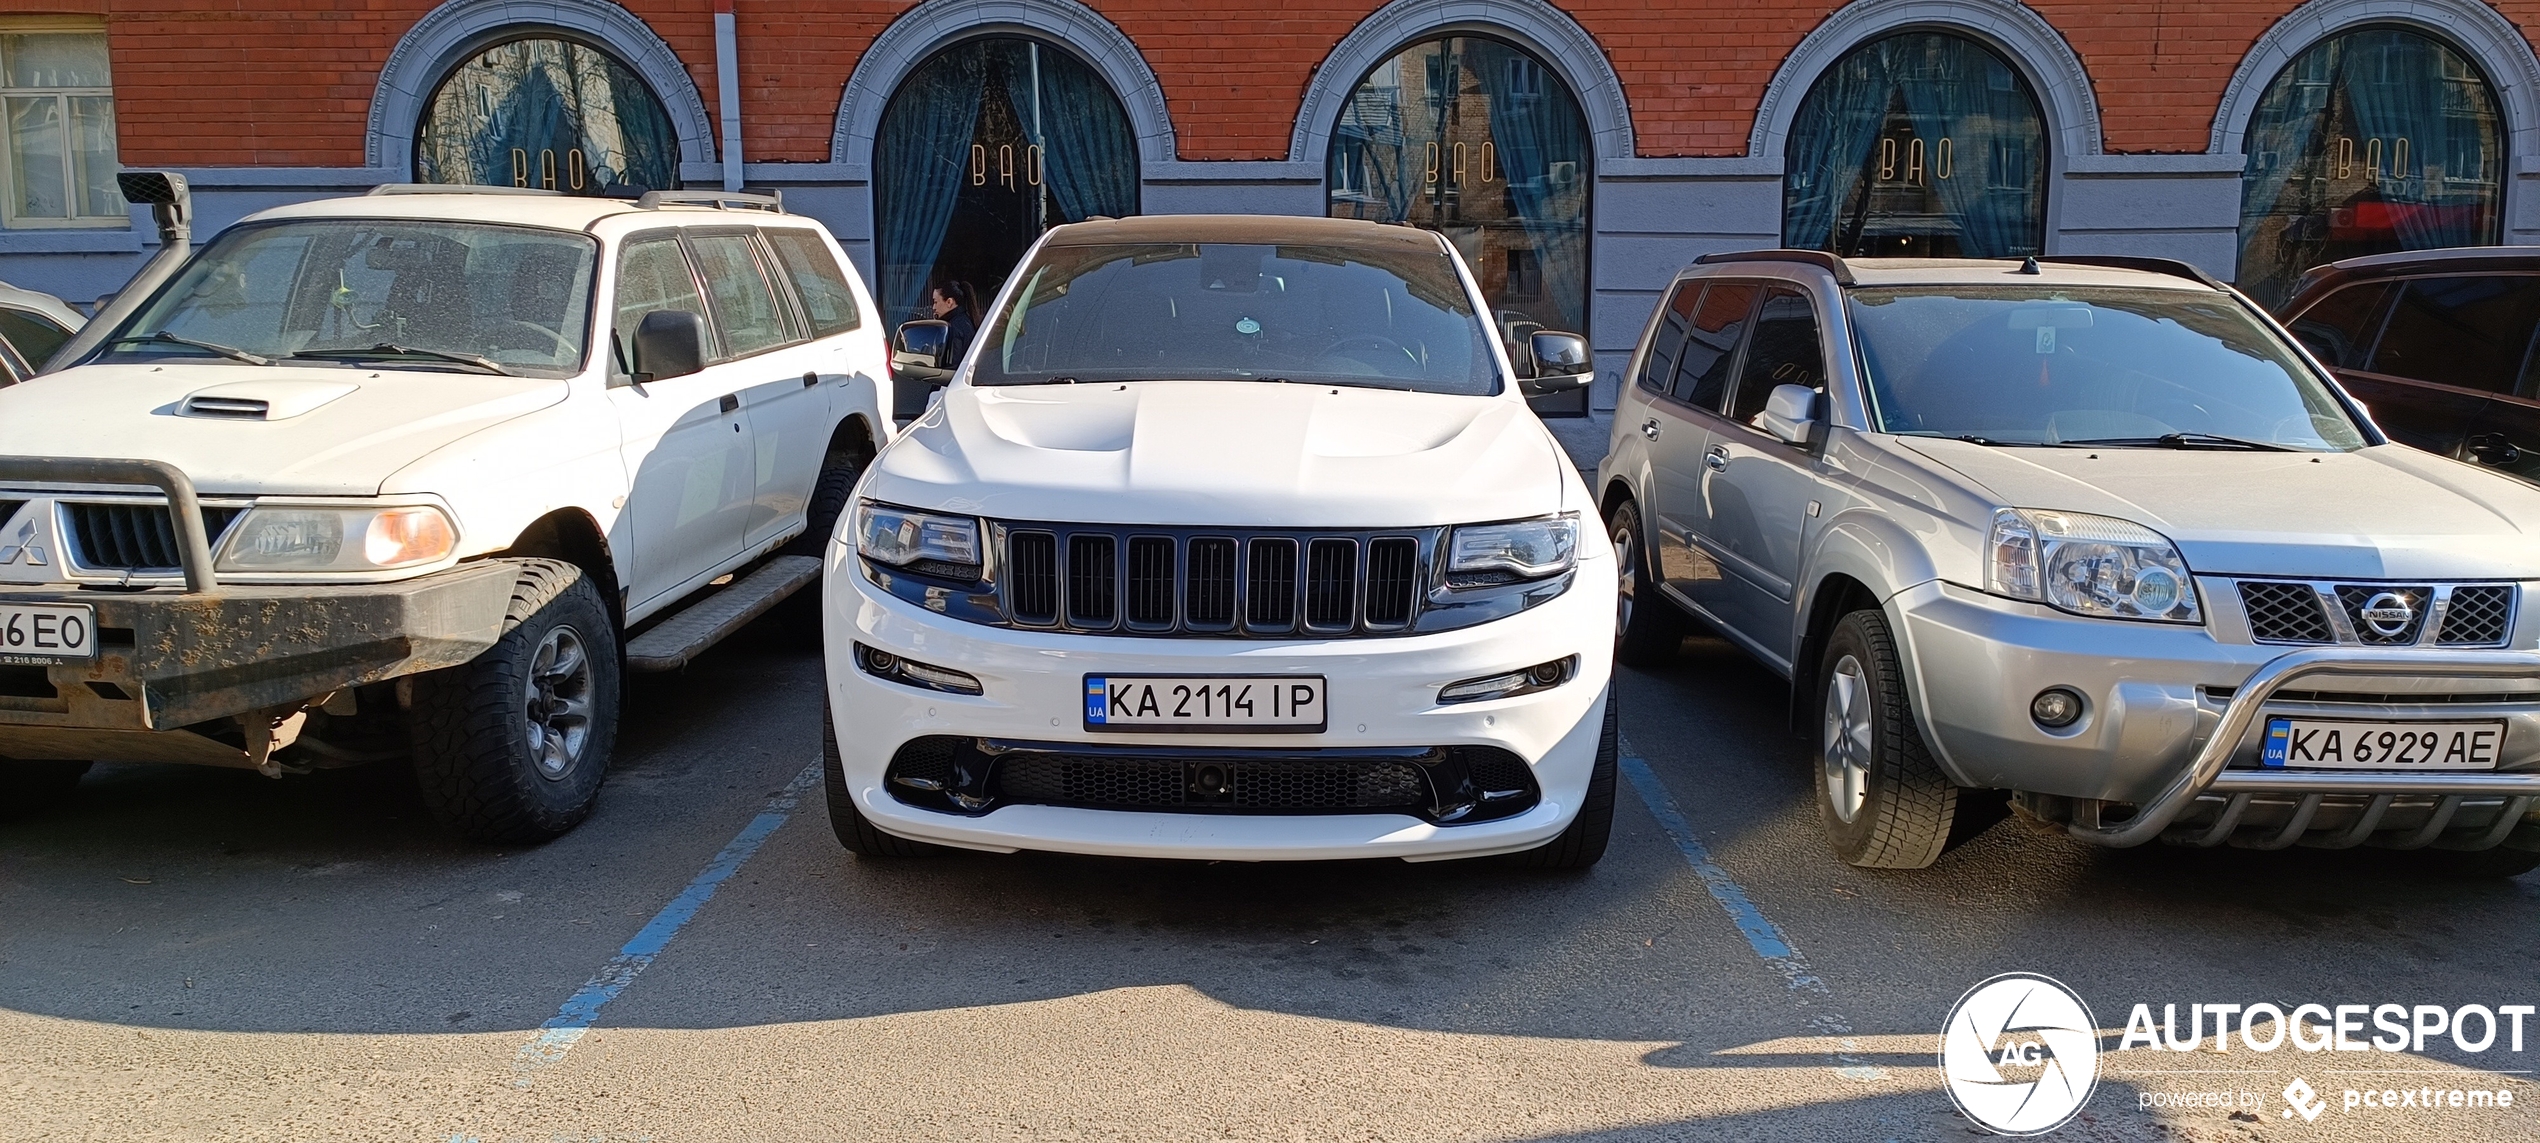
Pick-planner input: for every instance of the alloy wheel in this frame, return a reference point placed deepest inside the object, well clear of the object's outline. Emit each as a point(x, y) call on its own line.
point(1627, 576)
point(559, 703)
point(1847, 739)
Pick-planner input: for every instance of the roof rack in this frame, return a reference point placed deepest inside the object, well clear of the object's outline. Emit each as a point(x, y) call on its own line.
point(772, 201)
point(459, 188)
point(2170, 266)
point(1820, 259)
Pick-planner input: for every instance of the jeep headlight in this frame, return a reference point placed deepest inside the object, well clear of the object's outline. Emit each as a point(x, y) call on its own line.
point(2089, 565)
point(921, 541)
point(338, 539)
point(1518, 549)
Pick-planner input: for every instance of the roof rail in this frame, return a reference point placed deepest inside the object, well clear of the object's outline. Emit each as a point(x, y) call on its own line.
point(772, 201)
point(459, 188)
point(2170, 266)
point(1820, 259)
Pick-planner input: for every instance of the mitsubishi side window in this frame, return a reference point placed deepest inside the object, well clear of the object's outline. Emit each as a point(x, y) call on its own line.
point(747, 313)
point(652, 274)
point(1673, 319)
point(827, 300)
point(2468, 331)
point(1783, 350)
point(1710, 352)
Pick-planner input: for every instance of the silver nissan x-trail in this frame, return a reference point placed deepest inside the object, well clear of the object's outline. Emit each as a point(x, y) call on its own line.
point(2090, 536)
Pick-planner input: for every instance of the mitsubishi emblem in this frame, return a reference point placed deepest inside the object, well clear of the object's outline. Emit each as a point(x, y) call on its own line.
point(22, 544)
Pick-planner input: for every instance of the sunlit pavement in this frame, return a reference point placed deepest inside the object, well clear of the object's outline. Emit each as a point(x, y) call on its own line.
point(213, 955)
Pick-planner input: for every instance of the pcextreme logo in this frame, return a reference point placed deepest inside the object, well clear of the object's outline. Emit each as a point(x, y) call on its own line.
point(2020, 1054)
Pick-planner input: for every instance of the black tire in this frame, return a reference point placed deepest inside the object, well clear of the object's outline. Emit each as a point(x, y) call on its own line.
point(848, 822)
point(1884, 802)
point(1583, 843)
point(829, 497)
point(482, 771)
point(30, 788)
point(1648, 627)
point(2478, 864)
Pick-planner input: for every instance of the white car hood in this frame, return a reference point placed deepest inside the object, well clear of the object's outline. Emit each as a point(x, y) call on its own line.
point(2386, 512)
point(325, 440)
point(1224, 453)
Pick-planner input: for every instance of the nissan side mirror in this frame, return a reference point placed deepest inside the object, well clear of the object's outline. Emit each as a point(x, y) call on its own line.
point(1790, 413)
point(921, 343)
point(669, 343)
point(1562, 363)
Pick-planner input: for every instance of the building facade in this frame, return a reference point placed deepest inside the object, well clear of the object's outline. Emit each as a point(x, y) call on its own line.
point(1577, 151)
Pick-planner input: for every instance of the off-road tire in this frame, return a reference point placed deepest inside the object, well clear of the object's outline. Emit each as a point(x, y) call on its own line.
point(1909, 805)
point(829, 497)
point(469, 723)
point(1656, 627)
point(848, 822)
point(1583, 843)
point(30, 788)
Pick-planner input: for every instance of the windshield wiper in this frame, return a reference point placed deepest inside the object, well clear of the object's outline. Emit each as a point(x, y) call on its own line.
point(163, 337)
point(386, 349)
point(2187, 441)
point(1989, 442)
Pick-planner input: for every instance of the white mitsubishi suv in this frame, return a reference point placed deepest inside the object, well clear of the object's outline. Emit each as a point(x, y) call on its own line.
point(1232, 538)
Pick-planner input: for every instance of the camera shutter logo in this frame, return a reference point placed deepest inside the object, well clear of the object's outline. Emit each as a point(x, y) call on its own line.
point(2020, 1054)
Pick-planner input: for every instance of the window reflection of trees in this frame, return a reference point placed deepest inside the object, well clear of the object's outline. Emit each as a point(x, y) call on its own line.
point(546, 113)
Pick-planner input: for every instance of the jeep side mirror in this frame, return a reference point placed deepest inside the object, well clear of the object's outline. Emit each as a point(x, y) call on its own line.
point(1562, 363)
point(1790, 413)
point(669, 343)
point(921, 342)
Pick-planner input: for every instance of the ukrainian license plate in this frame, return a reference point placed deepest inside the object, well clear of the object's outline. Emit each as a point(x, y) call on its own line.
point(33, 634)
point(1204, 702)
point(2335, 744)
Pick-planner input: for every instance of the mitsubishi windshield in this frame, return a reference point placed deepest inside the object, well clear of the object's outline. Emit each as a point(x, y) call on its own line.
point(376, 294)
point(1330, 315)
point(2103, 367)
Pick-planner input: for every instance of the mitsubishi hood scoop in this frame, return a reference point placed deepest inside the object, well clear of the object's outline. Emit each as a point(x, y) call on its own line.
point(276, 400)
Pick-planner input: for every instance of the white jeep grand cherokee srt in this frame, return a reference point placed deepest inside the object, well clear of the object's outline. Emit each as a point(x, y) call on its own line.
point(1232, 538)
point(434, 455)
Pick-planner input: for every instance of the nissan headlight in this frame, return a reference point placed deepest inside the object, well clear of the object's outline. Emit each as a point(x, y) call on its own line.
point(2089, 565)
point(338, 539)
point(1519, 549)
point(920, 541)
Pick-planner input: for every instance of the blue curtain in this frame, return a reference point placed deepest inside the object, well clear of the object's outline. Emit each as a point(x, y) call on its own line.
point(920, 157)
point(1534, 129)
point(1957, 91)
point(1950, 88)
point(2394, 81)
point(1088, 154)
point(2286, 136)
point(1830, 142)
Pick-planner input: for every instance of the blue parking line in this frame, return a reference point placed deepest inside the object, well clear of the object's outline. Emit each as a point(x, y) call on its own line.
point(558, 1035)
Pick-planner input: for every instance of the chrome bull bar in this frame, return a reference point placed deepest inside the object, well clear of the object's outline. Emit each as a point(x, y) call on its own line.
point(194, 543)
point(2207, 773)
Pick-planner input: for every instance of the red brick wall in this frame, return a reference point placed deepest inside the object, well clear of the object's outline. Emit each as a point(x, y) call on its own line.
point(289, 82)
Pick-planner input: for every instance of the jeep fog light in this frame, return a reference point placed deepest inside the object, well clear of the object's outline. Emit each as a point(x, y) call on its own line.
point(906, 672)
point(2056, 707)
point(338, 539)
point(1540, 677)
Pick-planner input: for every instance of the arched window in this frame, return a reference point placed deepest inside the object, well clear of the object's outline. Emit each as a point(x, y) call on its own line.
point(985, 145)
point(1479, 140)
point(543, 111)
point(2372, 141)
point(1922, 144)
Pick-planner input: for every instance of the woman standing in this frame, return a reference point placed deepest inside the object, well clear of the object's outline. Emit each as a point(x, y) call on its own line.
point(957, 306)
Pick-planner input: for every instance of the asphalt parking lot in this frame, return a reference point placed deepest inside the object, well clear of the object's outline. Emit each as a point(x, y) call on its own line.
point(203, 954)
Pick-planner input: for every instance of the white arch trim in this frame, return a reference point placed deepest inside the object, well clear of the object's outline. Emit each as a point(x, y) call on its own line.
point(930, 26)
point(1537, 26)
point(428, 50)
point(2474, 28)
point(2032, 45)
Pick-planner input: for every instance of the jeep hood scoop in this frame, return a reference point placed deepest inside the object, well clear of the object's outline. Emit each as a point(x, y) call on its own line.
point(2386, 512)
point(314, 431)
point(1261, 454)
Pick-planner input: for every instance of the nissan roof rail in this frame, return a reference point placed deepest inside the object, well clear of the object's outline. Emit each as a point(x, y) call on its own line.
point(2170, 266)
point(772, 201)
point(1820, 259)
point(458, 188)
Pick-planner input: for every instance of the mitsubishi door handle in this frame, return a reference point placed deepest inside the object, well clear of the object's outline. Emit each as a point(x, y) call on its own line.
point(1649, 428)
point(1717, 459)
point(730, 402)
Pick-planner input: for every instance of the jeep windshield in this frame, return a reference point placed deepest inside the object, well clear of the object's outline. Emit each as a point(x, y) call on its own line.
point(375, 294)
point(1333, 315)
point(2102, 367)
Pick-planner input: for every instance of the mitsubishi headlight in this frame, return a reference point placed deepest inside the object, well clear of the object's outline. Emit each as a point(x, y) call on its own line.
point(1519, 549)
point(923, 542)
point(338, 539)
point(2089, 565)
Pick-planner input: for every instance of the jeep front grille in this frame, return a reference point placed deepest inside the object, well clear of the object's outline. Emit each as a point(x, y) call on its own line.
point(1158, 581)
point(135, 537)
point(2318, 613)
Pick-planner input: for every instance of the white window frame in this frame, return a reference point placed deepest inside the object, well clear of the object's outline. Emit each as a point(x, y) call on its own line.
point(9, 218)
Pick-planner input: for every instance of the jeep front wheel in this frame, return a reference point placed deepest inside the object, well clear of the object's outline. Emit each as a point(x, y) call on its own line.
point(1884, 802)
point(511, 747)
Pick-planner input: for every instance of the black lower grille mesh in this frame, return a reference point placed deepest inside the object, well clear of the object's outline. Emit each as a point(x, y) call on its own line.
point(2285, 613)
point(136, 537)
point(2480, 615)
point(1261, 785)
